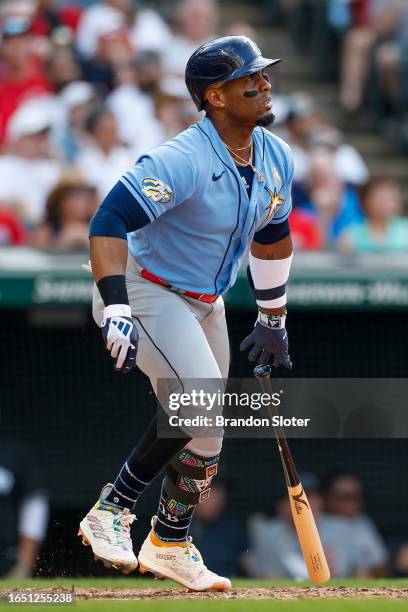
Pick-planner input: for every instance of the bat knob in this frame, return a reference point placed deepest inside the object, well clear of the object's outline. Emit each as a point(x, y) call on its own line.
point(262, 371)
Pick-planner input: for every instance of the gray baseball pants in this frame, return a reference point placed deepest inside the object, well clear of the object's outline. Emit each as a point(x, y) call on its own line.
point(179, 338)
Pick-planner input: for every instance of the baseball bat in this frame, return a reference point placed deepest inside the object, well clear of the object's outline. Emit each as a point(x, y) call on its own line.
point(306, 529)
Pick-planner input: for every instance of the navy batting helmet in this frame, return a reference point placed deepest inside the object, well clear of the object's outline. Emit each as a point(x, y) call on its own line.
point(220, 60)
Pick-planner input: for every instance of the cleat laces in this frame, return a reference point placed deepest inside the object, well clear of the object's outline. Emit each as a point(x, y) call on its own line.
point(118, 529)
point(190, 560)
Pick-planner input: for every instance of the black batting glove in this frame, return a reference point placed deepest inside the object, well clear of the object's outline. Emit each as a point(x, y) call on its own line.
point(269, 337)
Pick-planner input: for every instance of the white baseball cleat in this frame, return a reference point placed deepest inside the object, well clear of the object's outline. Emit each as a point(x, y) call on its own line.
point(179, 561)
point(107, 530)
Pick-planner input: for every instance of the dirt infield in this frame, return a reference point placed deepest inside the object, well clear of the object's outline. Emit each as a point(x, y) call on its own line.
point(281, 593)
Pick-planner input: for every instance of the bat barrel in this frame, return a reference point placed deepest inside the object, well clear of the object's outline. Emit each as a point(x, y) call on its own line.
point(308, 536)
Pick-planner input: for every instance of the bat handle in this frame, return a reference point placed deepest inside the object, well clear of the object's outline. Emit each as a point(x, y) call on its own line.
point(262, 373)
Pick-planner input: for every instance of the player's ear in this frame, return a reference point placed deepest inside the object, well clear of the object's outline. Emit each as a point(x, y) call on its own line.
point(215, 97)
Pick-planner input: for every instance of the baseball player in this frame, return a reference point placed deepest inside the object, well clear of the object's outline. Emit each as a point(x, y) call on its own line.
point(166, 244)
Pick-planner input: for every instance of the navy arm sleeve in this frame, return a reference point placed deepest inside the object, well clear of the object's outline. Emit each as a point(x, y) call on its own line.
point(118, 214)
point(272, 233)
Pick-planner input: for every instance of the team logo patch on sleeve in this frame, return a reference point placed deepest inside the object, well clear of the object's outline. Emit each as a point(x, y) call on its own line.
point(157, 190)
point(275, 202)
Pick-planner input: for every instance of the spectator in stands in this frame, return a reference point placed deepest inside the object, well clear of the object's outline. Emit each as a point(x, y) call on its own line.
point(21, 76)
point(49, 16)
point(78, 99)
point(148, 72)
point(29, 168)
point(317, 27)
point(383, 228)
point(400, 560)
point(69, 208)
point(146, 30)
point(12, 232)
point(343, 496)
point(53, 24)
point(24, 510)
point(306, 129)
point(113, 52)
point(62, 67)
point(105, 159)
point(274, 546)
point(173, 107)
point(219, 533)
point(384, 21)
point(197, 22)
point(334, 204)
point(305, 231)
point(16, 8)
point(97, 20)
point(149, 32)
point(391, 66)
point(133, 104)
point(241, 28)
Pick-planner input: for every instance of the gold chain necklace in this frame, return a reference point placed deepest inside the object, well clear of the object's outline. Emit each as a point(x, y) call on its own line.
point(241, 149)
point(249, 163)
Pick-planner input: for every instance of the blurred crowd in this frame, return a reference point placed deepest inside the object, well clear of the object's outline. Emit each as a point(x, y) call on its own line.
point(337, 205)
point(87, 87)
point(362, 44)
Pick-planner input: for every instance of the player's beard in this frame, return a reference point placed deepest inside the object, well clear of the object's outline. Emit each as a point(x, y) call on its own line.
point(266, 120)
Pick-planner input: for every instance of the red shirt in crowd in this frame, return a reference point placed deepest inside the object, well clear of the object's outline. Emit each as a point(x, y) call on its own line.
point(14, 92)
point(11, 230)
point(44, 22)
point(305, 231)
point(361, 12)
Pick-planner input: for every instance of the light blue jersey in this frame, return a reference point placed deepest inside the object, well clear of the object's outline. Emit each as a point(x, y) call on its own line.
point(202, 221)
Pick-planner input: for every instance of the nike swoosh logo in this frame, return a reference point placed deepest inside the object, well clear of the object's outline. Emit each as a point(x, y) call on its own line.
point(215, 178)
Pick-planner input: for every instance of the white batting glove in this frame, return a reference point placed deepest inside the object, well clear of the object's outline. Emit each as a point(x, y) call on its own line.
point(120, 336)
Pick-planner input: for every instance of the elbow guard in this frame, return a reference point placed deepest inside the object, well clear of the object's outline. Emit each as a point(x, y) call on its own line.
point(267, 279)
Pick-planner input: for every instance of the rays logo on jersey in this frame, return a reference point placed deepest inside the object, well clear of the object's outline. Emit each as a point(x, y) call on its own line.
point(157, 190)
point(275, 202)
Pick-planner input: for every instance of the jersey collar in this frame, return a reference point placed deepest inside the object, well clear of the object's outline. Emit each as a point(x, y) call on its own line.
point(208, 127)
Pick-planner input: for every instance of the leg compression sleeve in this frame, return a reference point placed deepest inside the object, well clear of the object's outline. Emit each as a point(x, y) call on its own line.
point(188, 482)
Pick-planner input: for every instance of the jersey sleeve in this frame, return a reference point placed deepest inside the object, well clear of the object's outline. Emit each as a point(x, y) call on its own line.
point(161, 180)
point(285, 195)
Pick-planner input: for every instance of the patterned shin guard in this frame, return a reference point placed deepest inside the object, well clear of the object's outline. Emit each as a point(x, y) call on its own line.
point(188, 482)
